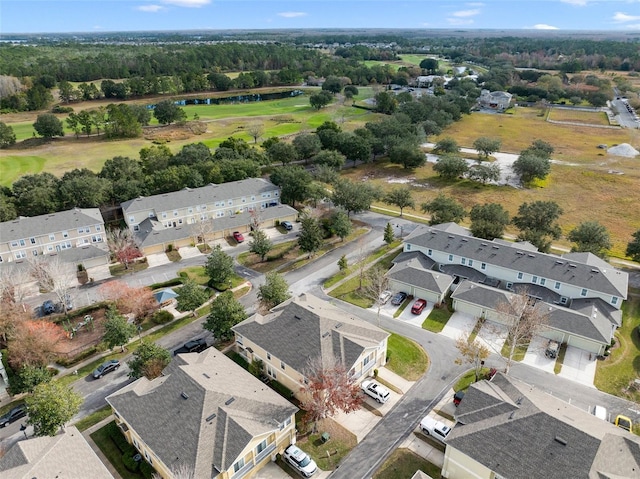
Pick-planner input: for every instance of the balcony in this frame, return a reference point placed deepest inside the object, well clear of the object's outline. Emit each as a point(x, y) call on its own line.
point(243, 471)
point(270, 448)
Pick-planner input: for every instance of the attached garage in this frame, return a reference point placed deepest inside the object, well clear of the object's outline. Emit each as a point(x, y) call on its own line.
point(412, 279)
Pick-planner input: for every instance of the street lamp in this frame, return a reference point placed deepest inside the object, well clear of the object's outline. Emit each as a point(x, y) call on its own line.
point(401, 229)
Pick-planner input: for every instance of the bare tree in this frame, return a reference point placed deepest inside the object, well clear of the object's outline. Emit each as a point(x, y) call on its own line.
point(54, 275)
point(524, 318)
point(255, 220)
point(361, 257)
point(472, 352)
point(329, 388)
point(374, 287)
point(14, 284)
point(202, 230)
point(255, 130)
point(123, 246)
point(183, 471)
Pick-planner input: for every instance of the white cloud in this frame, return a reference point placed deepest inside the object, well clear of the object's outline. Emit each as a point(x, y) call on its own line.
point(150, 8)
point(466, 13)
point(631, 26)
point(188, 3)
point(578, 3)
point(544, 26)
point(292, 14)
point(620, 17)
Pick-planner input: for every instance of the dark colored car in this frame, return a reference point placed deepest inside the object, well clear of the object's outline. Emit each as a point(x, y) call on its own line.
point(418, 306)
point(48, 307)
point(13, 415)
point(398, 298)
point(106, 368)
point(286, 225)
point(457, 397)
point(238, 237)
point(195, 346)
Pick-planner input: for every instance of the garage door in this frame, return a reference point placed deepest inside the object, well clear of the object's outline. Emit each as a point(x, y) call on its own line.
point(585, 344)
point(467, 308)
point(424, 294)
point(153, 249)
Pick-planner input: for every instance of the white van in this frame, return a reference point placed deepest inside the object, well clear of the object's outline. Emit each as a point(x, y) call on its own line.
point(600, 412)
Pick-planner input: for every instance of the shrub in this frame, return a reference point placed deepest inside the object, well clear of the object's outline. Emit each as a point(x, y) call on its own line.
point(61, 109)
point(66, 362)
point(238, 359)
point(167, 284)
point(146, 470)
point(281, 389)
point(169, 248)
point(161, 316)
point(129, 462)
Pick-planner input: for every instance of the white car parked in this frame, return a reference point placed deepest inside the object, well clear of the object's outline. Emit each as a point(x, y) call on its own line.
point(300, 461)
point(434, 428)
point(376, 391)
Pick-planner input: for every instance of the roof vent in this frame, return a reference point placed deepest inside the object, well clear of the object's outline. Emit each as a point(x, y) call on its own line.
point(297, 317)
point(464, 240)
point(206, 375)
point(184, 395)
point(229, 401)
point(560, 440)
point(338, 326)
point(519, 252)
point(483, 244)
point(519, 401)
point(531, 255)
point(452, 237)
point(212, 417)
point(511, 415)
point(559, 262)
point(496, 247)
point(595, 271)
point(572, 266)
point(326, 334)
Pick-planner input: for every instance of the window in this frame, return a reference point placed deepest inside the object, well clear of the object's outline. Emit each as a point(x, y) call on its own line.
point(563, 300)
point(520, 275)
point(238, 465)
point(136, 227)
point(429, 252)
point(32, 240)
point(253, 198)
point(180, 221)
point(1, 260)
point(282, 366)
point(509, 285)
point(542, 281)
point(483, 266)
point(98, 238)
point(583, 292)
point(614, 299)
point(99, 228)
point(49, 248)
point(261, 447)
point(23, 242)
point(450, 257)
point(557, 285)
point(52, 237)
point(534, 280)
point(244, 200)
point(132, 219)
point(408, 247)
point(462, 260)
point(148, 457)
point(271, 371)
point(135, 442)
point(239, 339)
point(164, 214)
point(20, 254)
point(470, 262)
point(269, 356)
point(175, 212)
point(203, 217)
point(14, 244)
point(190, 210)
point(204, 207)
point(230, 202)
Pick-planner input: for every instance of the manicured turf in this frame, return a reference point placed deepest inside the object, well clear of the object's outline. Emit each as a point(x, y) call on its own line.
point(404, 463)
point(406, 358)
point(14, 166)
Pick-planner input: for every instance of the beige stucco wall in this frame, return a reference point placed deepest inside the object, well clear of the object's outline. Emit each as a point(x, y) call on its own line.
point(458, 465)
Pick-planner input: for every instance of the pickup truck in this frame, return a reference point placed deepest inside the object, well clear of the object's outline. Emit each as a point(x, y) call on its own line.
point(195, 346)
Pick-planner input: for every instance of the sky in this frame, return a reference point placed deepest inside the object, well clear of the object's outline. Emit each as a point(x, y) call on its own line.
point(58, 16)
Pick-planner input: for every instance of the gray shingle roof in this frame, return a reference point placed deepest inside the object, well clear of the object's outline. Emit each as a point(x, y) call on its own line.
point(28, 227)
point(307, 327)
point(412, 272)
point(480, 294)
point(198, 196)
point(153, 232)
point(207, 431)
point(533, 435)
point(65, 455)
point(591, 275)
point(423, 259)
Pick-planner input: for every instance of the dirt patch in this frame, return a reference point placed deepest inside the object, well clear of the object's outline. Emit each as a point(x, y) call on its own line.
point(175, 132)
point(85, 336)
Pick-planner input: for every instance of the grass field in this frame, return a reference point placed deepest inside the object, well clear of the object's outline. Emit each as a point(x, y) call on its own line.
point(406, 358)
point(403, 464)
point(578, 116)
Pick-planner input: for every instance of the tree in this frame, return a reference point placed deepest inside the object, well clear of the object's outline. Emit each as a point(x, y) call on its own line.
point(633, 247)
point(274, 291)
point(123, 246)
point(385, 103)
point(126, 176)
point(219, 266)
point(375, 284)
point(447, 145)
point(226, 312)
point(451, 167)
point(488, 221)
point(354, 147)
point(350, 91)
point(530, 167)
point(149, 360)
point(354, 197)
point(51, 406)
point(430, 65)
point(342, 263)
point(320, 100)
point(28, 377)
point(83, 189)
point(122, 121)
point(484, 173)
point(330, 158)
point(307, 145)
point(54, 275)
point(117, 330)
point(255, 130)
point(36, 194)
point(472, 352)
point(389, 237)
point(443, 209)
point(328, 389)
point(401, 197)
point(332, 84)
point(167, 112)
point(260, 244)
point(31, 342)
point(191, 296)
point(341, 224)
point(524, 320)
point(486, 146)
point(407, 155)
point(129, 300)
point(294, 182)
point(281, 152)
point(7, 136)
point(47, 126)
point(592, 237)
point(537, 222)
point(310, 237)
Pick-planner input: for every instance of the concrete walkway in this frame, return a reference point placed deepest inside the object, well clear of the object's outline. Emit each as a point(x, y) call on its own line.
point(157, 259)
point(189, 252)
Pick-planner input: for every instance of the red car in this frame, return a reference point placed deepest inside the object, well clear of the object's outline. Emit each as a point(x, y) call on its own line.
point(418, 306)
point(238, 237)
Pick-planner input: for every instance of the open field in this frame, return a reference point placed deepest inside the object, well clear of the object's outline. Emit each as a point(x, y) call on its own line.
point(579, 116)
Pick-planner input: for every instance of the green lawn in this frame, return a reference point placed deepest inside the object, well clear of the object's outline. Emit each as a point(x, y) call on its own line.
point(437, 319)
point(110, 450)
point(468, 378)
point(617, 372)
point(403, 464)
point(94, 418)
point(406, 358)
point(14, 166)
point(341, 442)
point(195, 273)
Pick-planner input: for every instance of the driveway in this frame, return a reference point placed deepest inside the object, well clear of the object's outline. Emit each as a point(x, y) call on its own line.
point(190, 252)
point(415, 319)
point(157, 259)
point(579, 365)
point(459, 324)
point(493, 335)
point(535, 355)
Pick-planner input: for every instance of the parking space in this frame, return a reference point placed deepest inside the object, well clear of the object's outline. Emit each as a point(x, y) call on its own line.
point(189, 252)
point(459, 324)
point(579, 365)
point(535, 355)
point(493, 335)
point(157, 259)
point(416, 319)
point(278, 232)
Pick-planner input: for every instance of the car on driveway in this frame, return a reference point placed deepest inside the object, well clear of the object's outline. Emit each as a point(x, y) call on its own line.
point(286, 225)
point(48, 307)
point(238, 237)
point(13, 415)
point(457, 398)
point(434, 428)
point(195, 346)
point(106, 368)
point(300, 461)
point(385, 296)
point(419, 306)
point(376, 391)
point(398, 298)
